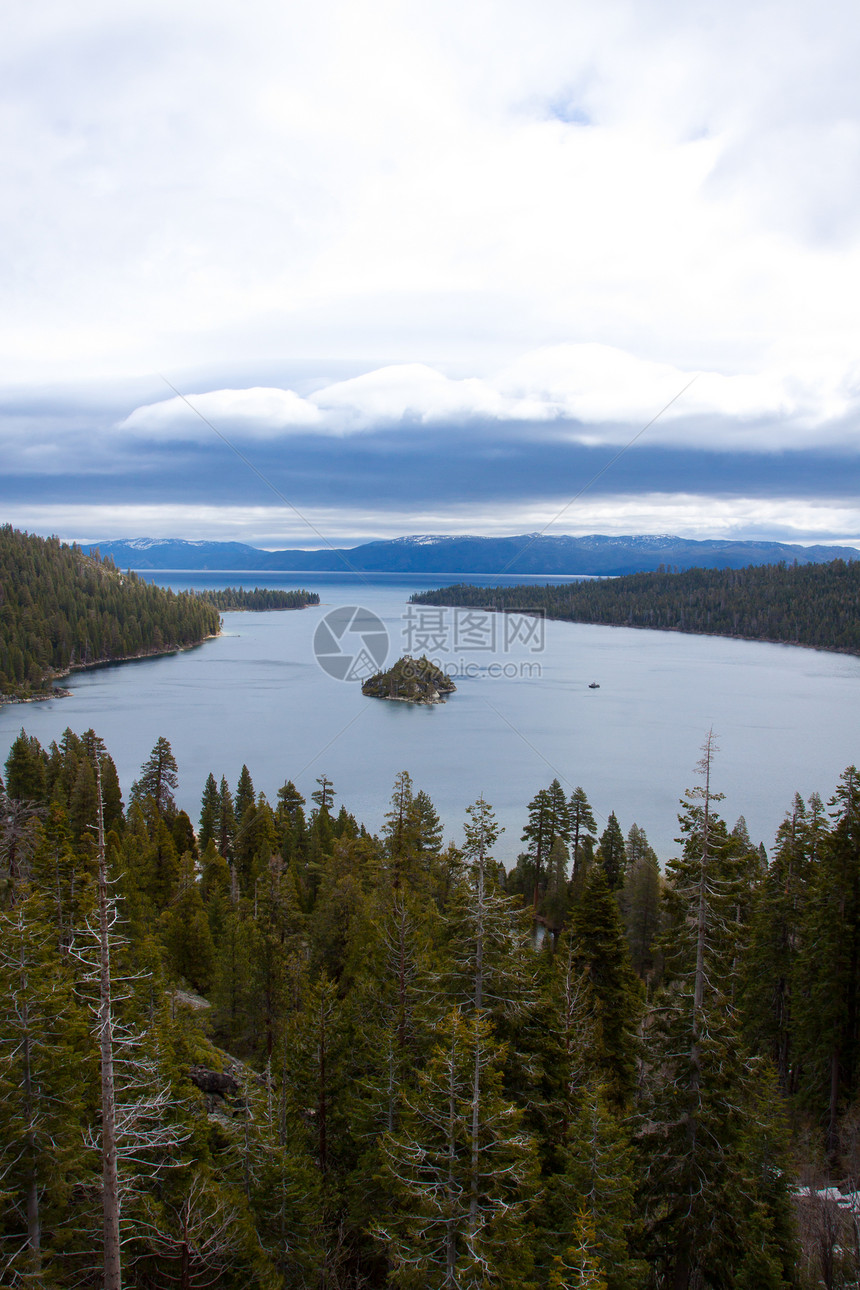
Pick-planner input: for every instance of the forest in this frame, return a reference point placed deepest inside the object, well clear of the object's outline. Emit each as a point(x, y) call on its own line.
point(269, 1048)
point(232, 598)
point(61, 609)
point(813, 604)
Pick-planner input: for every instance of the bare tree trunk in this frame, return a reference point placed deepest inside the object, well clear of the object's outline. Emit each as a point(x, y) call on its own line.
point(451, 1233)
point(322, 1091)
point(702, 921)
point(34, 1222)
point(476, 1074)
point(476, 1137)
point(110, 1176)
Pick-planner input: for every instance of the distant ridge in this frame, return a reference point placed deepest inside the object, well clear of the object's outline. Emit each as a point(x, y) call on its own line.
point(523, 554)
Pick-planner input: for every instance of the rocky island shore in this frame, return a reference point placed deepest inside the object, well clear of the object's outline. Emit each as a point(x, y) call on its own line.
point(410, 680)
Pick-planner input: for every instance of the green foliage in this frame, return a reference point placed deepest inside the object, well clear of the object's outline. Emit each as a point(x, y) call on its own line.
point(62, 610)
point(810, 604)
point(712, 1200)
point(261, 598)
point(414, 1093)
point(612, 854)
point(159, 776)
point(461, 1174)
point(414, 680)
point(582, 833)
point(640, 903)
point(599, 944)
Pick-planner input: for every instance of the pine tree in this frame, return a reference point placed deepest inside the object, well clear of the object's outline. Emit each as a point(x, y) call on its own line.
point(709, 1217)
point(25, 769)
point(580, 1267)
point(582, 833)
point(612, 854)
point(158, 779)
point(460, 1169)
point(557, 899)
point(426, 825)
point(324, 795)
point(600, 946)
point(828, 967)
point(640, 901)
point(549, 820)
point(245, 796)
point(42, 1079)
point(776, 938)
point(187, 934)
point(491, 959)
point(226, 821)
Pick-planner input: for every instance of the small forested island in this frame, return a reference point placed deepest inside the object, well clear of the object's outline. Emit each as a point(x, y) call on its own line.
point(61, 610)
point(228, 599)
point(410, 680)
point(816, 605)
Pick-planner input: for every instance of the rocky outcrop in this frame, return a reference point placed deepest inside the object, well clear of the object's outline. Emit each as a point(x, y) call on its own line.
point(410, 680)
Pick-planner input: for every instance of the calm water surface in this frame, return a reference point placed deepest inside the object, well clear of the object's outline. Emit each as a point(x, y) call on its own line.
point(785, 718)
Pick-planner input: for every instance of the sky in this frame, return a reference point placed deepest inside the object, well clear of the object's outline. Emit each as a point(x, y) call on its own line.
point(288, 273)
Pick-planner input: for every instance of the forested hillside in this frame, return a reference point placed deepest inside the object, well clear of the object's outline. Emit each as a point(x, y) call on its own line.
point(335, 1060)
point(811, 604)
point(61, 609)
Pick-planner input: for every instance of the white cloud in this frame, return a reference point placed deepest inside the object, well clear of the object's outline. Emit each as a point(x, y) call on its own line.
point(256, 412)
point(592, 393)
point(548, 217)
point(189, 184)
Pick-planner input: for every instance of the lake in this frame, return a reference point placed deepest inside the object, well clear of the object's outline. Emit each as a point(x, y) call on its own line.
point(523, 714)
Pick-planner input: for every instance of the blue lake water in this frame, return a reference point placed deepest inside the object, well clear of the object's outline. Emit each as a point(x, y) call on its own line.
point(785, 718)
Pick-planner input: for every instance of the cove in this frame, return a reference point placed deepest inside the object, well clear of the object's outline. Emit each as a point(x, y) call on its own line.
point(523, 714)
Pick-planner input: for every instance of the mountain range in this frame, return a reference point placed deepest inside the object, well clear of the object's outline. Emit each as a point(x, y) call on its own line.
point(528, 553)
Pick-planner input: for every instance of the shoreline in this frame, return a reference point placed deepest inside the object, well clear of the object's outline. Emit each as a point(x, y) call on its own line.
point(677, 631)
point(60, 692)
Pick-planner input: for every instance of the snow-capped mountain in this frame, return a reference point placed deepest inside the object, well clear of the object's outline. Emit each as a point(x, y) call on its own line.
point(461, 555)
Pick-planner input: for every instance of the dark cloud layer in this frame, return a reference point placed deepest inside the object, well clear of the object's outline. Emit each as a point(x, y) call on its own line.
point(427, 468)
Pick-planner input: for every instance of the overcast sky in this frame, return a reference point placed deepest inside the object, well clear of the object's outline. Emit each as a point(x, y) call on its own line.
point(430, 268)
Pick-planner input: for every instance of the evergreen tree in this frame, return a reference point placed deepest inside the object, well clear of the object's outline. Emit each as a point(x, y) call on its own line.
point(460, 1169)
point(640, 903)
point(828, 967)
point(226, 821)
point(557, 899)
point(582, 830)
point(187, 934)
point(706, 1193)
point(777, 928)
point(612, 854)
point(209, 813)
point(601, 948)
point(491, 968)
point(549, 820)
point(426, 825)
point(324, 795)
point(158, 779)
point(25, 769)
point(42, 1080)
point(245, 796)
